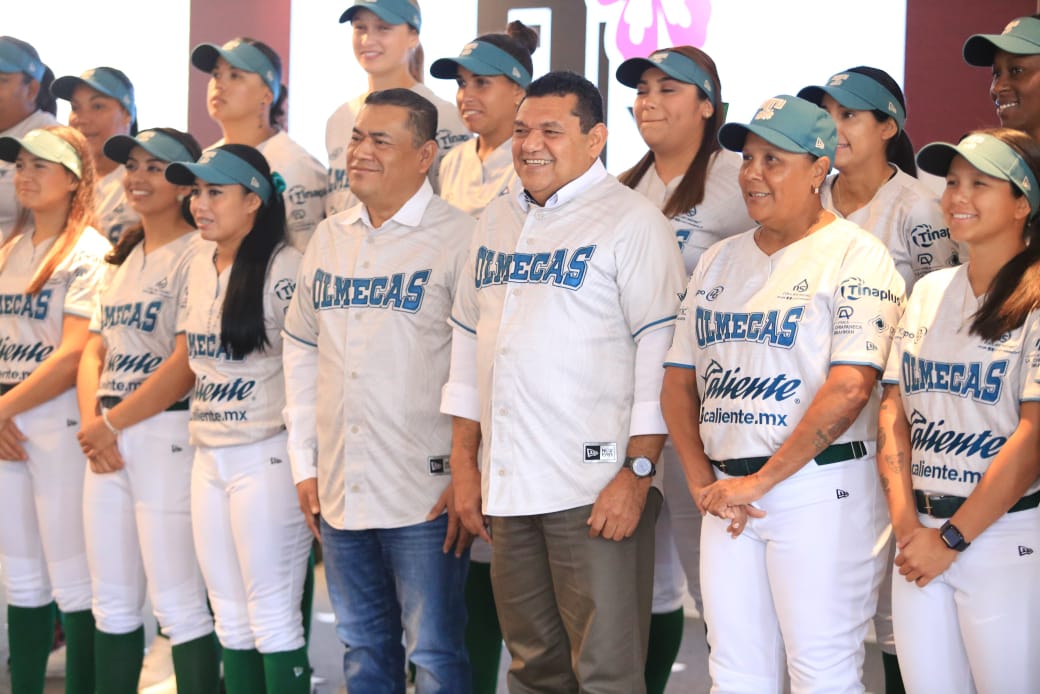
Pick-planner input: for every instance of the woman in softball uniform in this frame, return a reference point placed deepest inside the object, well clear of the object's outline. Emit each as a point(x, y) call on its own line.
point(492, 72)
point(250, 538)
point(50, 267)
point(133, 392)
point(959, 432)
point(679, 110)
point(27, 105)
point(103, 105)
point(876, 187)
point(385, 36)
point(770, 398)
point(247, 98)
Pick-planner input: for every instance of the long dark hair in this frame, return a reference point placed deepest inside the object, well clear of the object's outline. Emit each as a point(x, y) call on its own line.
point(1015, 291)
point(133, 235)
point(242, 328)
point(690, 191)
point(276, 115)
point(899, 150)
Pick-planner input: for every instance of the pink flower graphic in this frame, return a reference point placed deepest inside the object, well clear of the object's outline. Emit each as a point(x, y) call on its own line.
point(640, 23)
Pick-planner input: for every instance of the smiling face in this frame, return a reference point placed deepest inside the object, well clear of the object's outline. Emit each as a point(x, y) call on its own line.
point(487, 103)
point(861, 138)
point(777, 184)
point(234, 94)
point(41, 185)
point(982, 210)
point(98, 117)
point(223, 213)
point(146, 187)
point(384, 163)
point(1016, 91)
point(549, 148)
point(670, 114)
point(381, 47)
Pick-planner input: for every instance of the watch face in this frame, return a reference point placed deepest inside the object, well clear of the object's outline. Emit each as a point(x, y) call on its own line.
point(642, 467)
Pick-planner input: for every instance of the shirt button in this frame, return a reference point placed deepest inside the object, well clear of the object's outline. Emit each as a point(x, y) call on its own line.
point(504, 351)
point(501, 472)
point(355, 488)
point(353, 374)
point(530, 242)
point(355, 429)
point(357, 316)
point(503, 411)
point(365, 264)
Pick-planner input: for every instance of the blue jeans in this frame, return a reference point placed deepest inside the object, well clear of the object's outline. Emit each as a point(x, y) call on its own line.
point(382, 579)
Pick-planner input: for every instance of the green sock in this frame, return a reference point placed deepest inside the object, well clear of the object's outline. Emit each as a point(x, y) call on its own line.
point(79, 652)
point(665, 636)
point(243, 671)
point(30, 632)
point(196, 664)
point(307, 603)
point(287, 672)
point(893, 675)
point(117, 661)
point(483, 633)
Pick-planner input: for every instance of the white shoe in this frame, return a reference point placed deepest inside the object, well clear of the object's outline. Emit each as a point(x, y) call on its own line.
point(56, 663)
point(157, 668)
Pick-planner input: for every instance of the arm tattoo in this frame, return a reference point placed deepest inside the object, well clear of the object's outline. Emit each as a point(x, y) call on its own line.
point(886, 486)
point(882, 439)
point(822, 439)
point(895, 461)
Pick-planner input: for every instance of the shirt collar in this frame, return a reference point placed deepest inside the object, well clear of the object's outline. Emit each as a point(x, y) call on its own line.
point(594, 174)
point(410, 214)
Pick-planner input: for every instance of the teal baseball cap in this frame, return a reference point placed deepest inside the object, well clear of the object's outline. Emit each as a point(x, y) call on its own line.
point(391, 11)
point(482, 58)
point(672, 63)
point(242, 55)
point(18, 56)
point(45, 145)
point(790, 123)
point(858, 92)
point(107, 80)
point(155, 142)
point(220, 167)
point(1021, 37)
point(989, 155)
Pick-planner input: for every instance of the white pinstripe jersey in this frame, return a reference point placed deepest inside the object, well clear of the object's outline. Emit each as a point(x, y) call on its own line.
point(304, 194)
point(471, 184)
point(114, 213)
point(30, 325)
point(235, 401)
point(961, 394)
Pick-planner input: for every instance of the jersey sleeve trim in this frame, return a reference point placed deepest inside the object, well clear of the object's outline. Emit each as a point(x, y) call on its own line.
point(679, 365)
point(657, 323)
point(890, 381)
point(298, 339)
point(455, 321)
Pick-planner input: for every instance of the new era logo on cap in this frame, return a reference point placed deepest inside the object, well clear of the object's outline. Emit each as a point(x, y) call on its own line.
point(516, 73)
point(766, 110)
point(1025, 184)
point(892, 107)
point(254, 183)
point(819, 143)
point(707, 85)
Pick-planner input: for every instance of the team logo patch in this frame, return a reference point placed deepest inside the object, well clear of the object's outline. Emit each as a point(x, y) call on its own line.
point(145, 137)
point(714, 293)
point(284, 288)
point(468, 48)
point(801, 286)
point(845, 312)
point(682, 294)
point(659, 57)
point(841, 493)
point(1010, 26)
point(1024, 551)
point(439, 464)
point(768, 109)
point(837, 80)
point(879, 324)
point(600, 453)
point(206, 156)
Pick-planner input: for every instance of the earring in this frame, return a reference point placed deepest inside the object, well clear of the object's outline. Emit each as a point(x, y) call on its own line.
point(180, 197)
point(815, 190)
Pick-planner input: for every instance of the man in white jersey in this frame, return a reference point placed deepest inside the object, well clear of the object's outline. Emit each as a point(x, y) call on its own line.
point(375, 293)
point(450, 128)
point(562, 317)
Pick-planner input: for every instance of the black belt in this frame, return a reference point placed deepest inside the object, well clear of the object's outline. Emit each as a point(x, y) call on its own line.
point(943, 506)
point(110, 401)
point(839, 452)
point(6, 388)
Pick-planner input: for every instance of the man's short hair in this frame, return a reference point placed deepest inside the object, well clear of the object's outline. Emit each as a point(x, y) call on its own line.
point(422, 115)
point(589, 108)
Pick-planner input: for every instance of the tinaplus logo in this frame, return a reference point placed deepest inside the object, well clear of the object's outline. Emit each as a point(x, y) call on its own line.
point(854, 289)
point(923, 235)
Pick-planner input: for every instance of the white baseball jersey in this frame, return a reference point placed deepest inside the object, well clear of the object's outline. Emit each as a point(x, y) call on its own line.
point(235, 401)
point(961, 394)
point(31, 324)
point(9, 206)
point(136, 311)
point(375, 304)
point(720, 214)
point(471, 184)
point(558, 298)
point(304, 194)
point(907, 218)
point(763, 331)
point(450, 132)
point(114, 213)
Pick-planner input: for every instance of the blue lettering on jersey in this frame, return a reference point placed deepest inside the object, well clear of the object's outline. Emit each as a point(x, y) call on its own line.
point(446, 139)
point(981, 382)
point(338, 180)
point(134, 315)
point(923, 235)
point(561, 267)
point(33, 306)
point(720, 382)
point(207, 345)
point(854, 289)
point(682, 236)
point(299, 195)
point(117, 362)
point(14, 351)
point(926, 435)
point(398, 291)
point(228, 391)
point(763, 327)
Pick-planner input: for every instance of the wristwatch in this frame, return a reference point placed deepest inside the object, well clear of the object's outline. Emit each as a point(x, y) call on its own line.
point(641, 466)
point(952, 537)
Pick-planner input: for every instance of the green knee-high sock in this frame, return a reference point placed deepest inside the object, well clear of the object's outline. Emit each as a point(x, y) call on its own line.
point(665, 636)
point(287, 672)
point(483, 633)
point(307, 603)
point(117, 661)
point(196, 664)
point(79, 652)
point(243, 671)
point(893, 675)
point(30, 632)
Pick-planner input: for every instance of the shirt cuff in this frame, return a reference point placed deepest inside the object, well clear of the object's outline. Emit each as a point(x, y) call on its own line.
point(647, 419)
point(460, 400)
point(304, 463)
